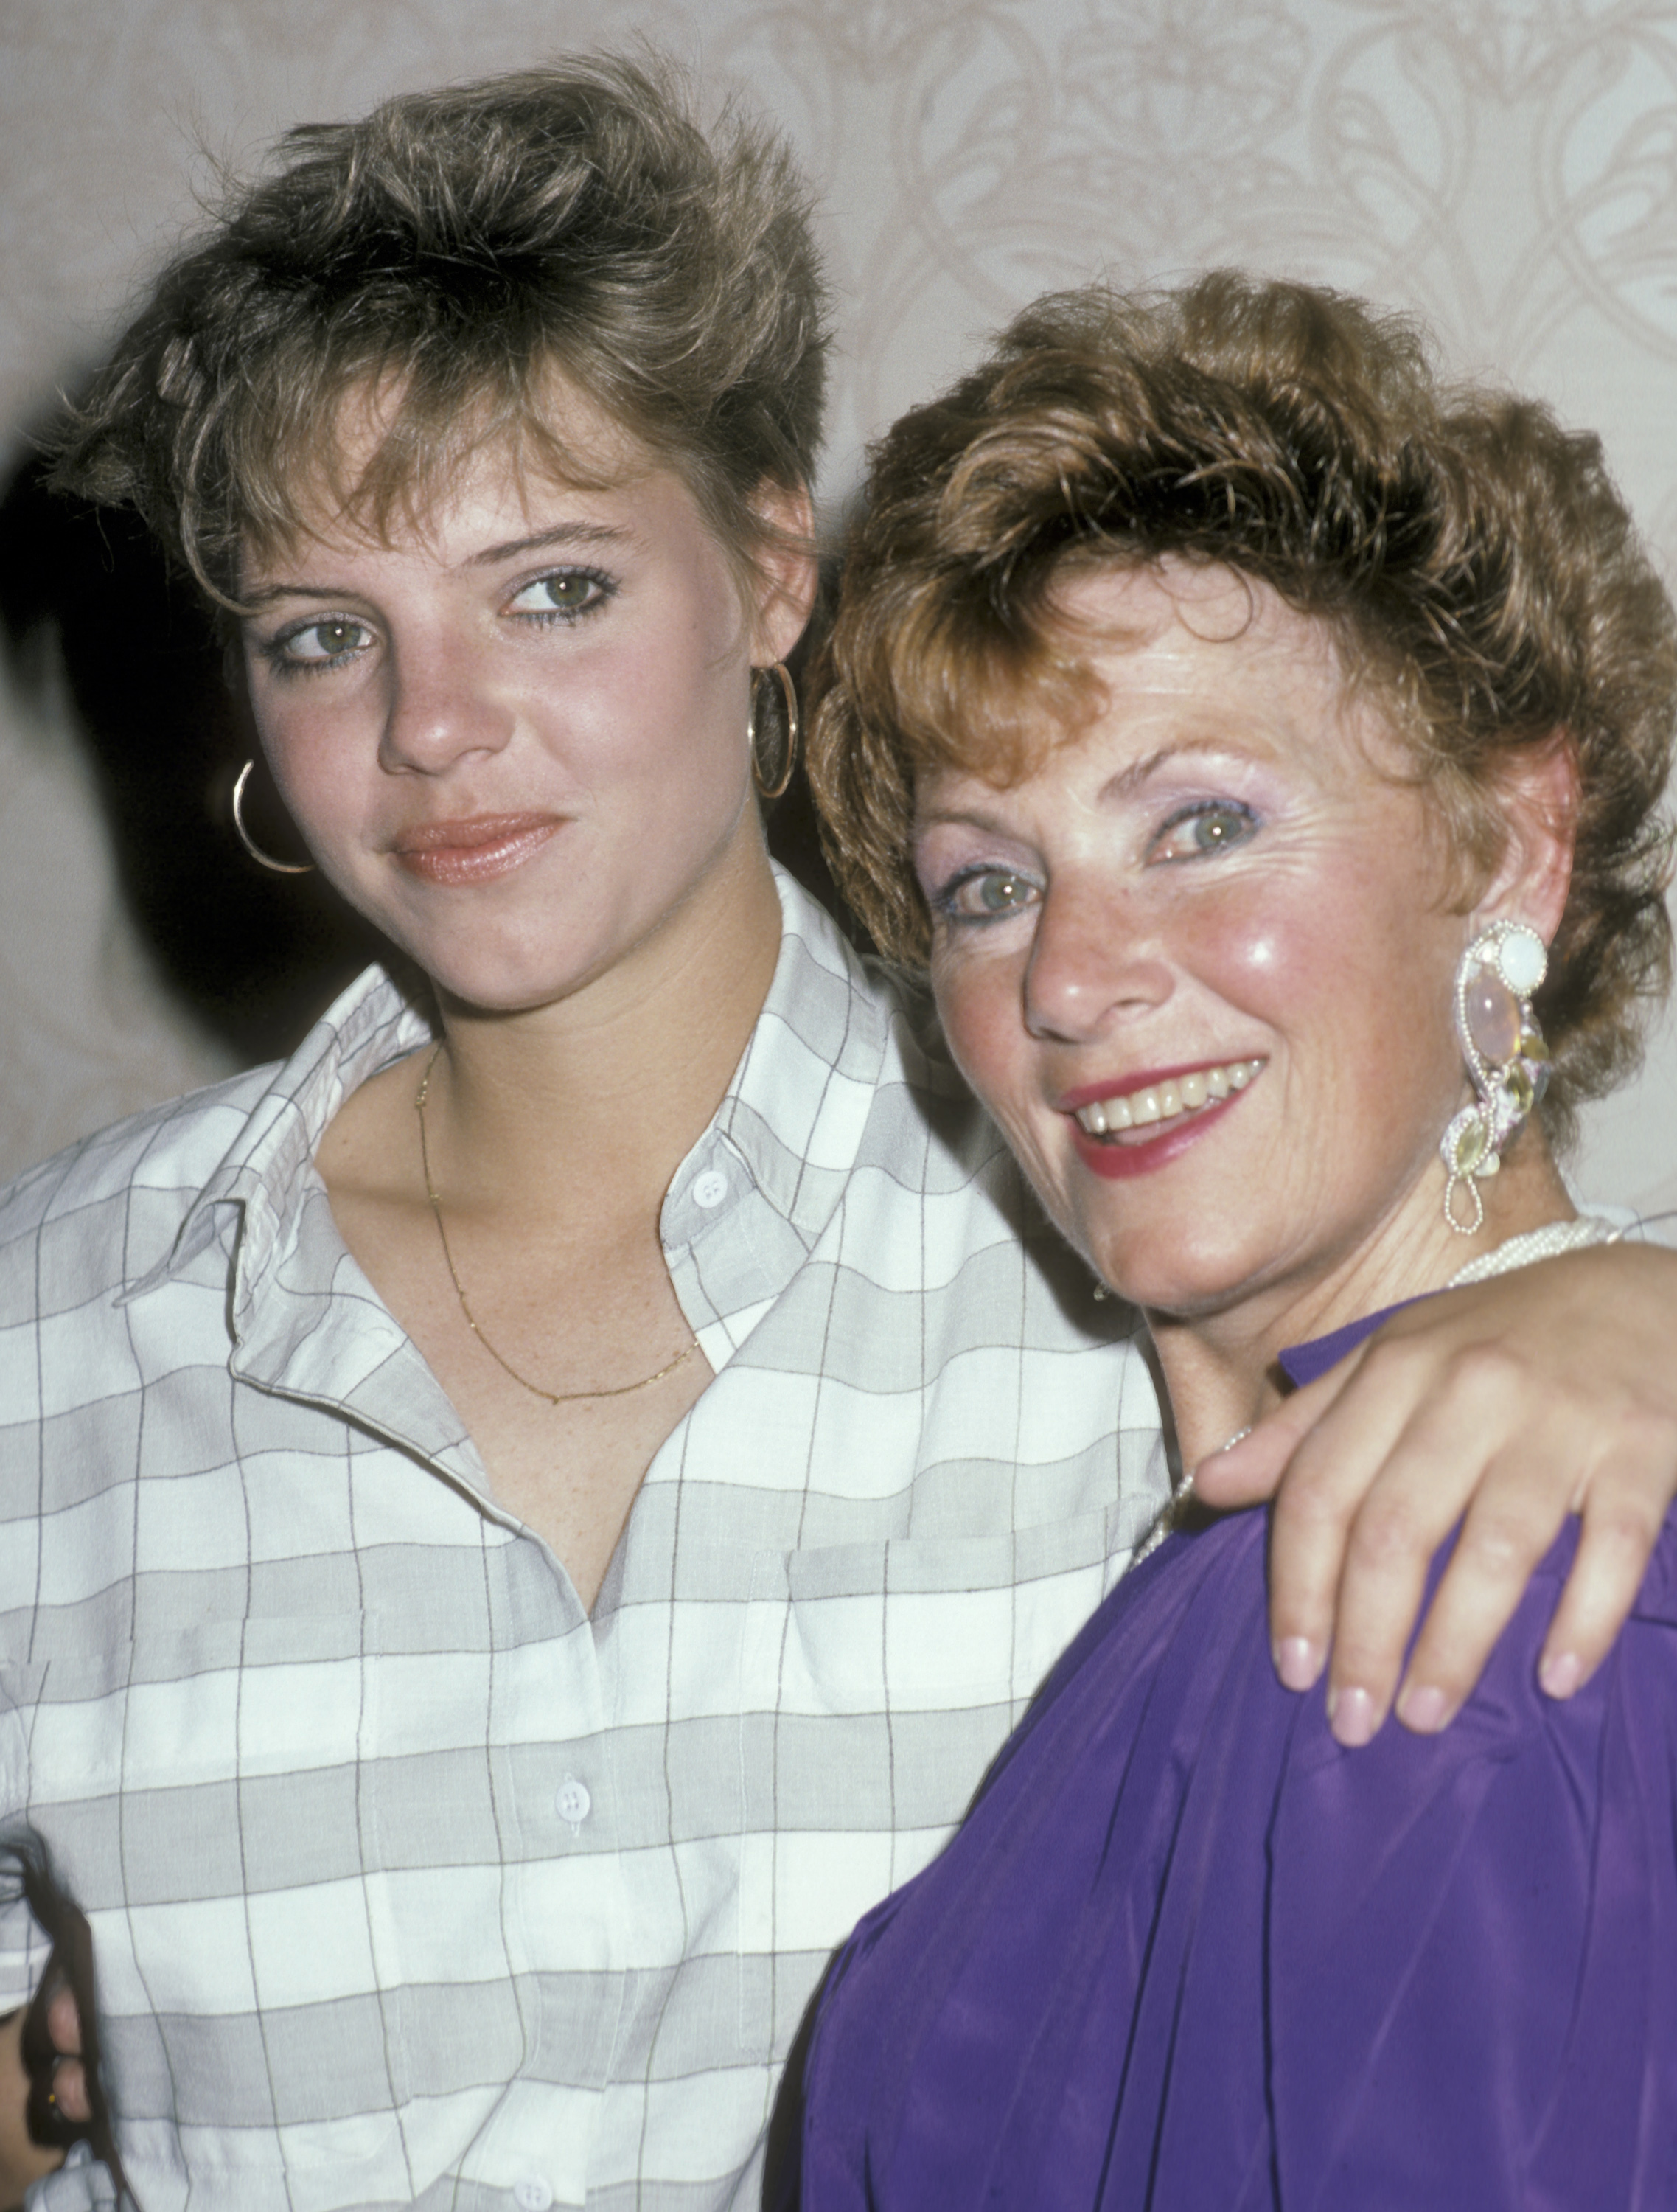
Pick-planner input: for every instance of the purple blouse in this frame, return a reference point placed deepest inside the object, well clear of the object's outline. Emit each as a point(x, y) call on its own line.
point(1187, 1952)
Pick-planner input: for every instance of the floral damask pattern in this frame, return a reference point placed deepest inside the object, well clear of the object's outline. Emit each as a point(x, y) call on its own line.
point(1508, 168)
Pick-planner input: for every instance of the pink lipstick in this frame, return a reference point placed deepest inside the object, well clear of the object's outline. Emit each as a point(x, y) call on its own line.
point(474, 850)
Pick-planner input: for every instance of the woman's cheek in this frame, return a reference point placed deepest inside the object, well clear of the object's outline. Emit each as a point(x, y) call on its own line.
point(981, 1007)
point(1271, 947)
point(975, 1015)
point(1234, 946)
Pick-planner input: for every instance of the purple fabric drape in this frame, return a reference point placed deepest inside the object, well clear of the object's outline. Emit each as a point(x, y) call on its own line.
point(1187, 1952)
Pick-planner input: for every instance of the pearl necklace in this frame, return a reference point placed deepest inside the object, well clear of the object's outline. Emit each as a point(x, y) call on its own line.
point(1531, 1244)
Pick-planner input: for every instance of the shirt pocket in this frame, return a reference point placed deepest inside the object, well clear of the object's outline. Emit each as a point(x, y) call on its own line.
point(922, 1624)
point(879, 1680)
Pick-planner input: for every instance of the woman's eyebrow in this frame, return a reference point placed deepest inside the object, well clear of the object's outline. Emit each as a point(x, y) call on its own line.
point(578, 534)
point(563, 533)
point(1128, 780)
point(1121, 784)
point(267, 594)
point(973, 817)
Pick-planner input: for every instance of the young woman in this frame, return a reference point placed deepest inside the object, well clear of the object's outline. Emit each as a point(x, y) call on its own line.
point(524, 1521)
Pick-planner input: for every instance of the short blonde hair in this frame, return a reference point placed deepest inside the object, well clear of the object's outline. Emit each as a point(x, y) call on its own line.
point(1473, 559)
point(454, 250)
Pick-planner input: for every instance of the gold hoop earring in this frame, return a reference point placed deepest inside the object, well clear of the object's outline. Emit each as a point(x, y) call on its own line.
point(262, 859)
point(772, 788)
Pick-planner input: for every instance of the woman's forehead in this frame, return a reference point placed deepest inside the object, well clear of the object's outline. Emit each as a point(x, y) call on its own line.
point(1119, 608)
point(1193, 647)
point(1185, 661)
point(485, 517)
point(385, 469)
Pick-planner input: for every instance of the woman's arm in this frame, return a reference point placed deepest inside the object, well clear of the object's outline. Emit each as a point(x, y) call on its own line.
point(1547, 1391)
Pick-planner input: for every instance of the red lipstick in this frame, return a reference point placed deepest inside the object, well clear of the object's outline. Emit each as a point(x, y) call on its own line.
point(1117, 1162)
point(474, 850)
point(1141, 1155)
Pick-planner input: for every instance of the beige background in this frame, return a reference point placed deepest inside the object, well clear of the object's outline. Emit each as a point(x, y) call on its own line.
point(1507, 166)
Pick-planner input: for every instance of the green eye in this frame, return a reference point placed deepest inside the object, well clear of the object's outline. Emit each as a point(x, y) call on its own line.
point(568, 592)
point(318, 644)
point(564, 593)
point(1219, 828)
point(987, 895)
point(1214, 826)
point(1001, 894)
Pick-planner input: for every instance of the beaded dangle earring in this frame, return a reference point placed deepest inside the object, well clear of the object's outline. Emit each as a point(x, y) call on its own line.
point(1506, 1054)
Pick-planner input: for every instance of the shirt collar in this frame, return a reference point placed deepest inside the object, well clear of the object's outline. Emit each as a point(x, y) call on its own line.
point(266, 1172)
point(756, 1192)
point(743, 1211)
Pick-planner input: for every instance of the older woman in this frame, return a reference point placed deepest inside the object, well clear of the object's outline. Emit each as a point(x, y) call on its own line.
point(1263, 741)
point(523, 1521)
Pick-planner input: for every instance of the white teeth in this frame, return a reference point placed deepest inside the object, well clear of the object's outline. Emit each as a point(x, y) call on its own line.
point(1163, 1102)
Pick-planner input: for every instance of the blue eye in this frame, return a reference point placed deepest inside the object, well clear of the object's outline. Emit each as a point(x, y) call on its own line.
point(1209, 827)
point(987, 895)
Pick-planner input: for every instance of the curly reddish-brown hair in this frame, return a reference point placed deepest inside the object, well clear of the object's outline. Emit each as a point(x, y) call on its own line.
point(1472, 559)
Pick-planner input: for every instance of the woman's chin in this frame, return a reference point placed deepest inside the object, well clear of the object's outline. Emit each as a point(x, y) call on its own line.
point(501, 973)
point(1183, 1285)
point(1180, 1306)
point(502, 997)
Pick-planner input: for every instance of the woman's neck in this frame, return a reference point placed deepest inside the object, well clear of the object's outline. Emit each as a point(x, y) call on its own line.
point(609, 1088)
point(1220, 1368)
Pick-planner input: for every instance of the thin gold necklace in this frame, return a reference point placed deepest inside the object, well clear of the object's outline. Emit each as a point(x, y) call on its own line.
point(553, 1397)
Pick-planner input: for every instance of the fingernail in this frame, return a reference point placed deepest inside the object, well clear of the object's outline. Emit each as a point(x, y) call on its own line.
point(1350, 1715)
point(1297, 1662)
point(1422, 1708)
point(1560, 1675)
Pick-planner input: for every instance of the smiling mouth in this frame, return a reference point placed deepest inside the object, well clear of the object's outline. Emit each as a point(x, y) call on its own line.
point(1137, 1116)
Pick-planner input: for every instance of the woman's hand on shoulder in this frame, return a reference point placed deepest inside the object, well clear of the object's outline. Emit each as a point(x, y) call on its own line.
point(1504, 1407)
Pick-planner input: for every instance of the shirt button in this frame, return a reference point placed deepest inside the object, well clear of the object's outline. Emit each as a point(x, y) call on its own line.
point(532, 2194)
point(710, 1188)
point(574, 1805)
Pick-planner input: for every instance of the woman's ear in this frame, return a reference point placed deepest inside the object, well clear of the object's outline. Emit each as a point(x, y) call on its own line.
point(1537, 796)
point(786, 569)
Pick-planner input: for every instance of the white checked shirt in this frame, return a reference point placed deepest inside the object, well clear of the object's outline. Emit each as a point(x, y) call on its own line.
point(411, 1883)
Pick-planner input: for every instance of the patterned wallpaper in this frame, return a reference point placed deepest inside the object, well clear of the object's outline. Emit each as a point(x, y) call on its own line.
point(1507, 166)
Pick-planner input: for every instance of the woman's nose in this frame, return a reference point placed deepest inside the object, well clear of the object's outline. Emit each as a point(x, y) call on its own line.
point(1094, 962)
point(440, 709)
